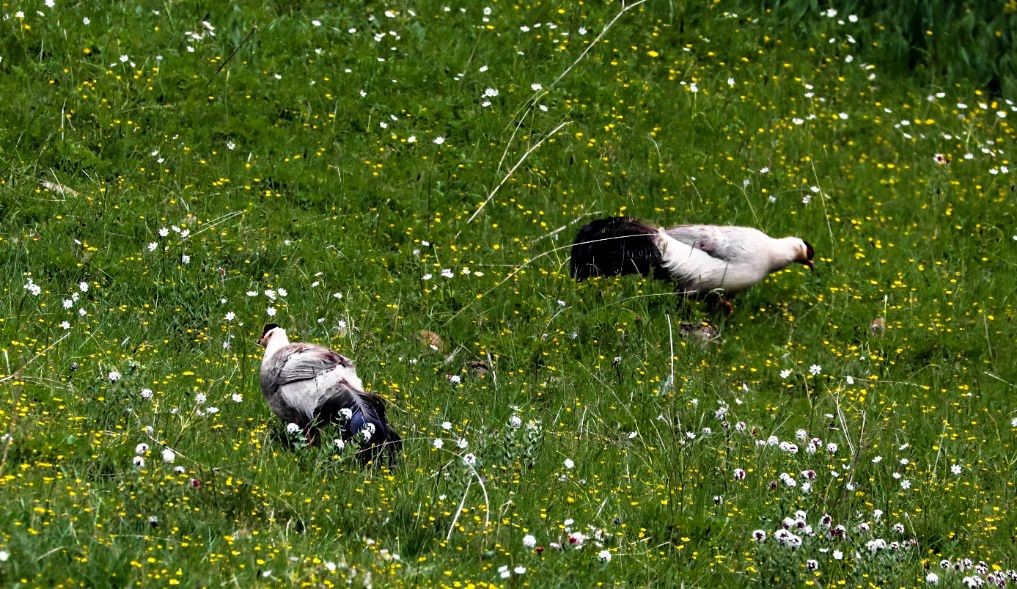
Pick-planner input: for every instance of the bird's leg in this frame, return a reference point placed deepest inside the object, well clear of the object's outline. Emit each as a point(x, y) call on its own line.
point(721, 302)
point(310, 436)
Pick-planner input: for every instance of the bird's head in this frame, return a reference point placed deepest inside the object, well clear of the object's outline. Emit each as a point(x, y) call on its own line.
point(806, 254)
point(271, 329)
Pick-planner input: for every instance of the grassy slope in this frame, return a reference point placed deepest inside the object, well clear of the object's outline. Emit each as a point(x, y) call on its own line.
point(281, 171)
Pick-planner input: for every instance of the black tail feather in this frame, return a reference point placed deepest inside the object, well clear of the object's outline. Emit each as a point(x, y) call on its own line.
point(615, 246)
point(366, 408)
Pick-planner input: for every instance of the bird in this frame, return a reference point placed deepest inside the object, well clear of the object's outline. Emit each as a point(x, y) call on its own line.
point(699, 259)
point(312, 386)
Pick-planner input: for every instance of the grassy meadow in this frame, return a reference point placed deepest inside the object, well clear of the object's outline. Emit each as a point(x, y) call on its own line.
point(401, 181)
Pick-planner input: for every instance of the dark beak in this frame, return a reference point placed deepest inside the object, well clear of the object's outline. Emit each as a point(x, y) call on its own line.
point(810, 264)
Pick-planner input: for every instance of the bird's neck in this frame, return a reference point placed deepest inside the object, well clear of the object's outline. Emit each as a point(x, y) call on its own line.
point(783, 252)
point(276, 343)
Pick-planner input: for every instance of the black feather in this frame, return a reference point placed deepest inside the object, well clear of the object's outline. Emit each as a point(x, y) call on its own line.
point(268, 327)
point(809, 251)
point(615, 246)
point(366, 408)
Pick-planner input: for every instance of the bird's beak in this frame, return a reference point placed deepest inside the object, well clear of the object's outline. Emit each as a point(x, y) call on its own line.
point(810, 264)
point(263, 340)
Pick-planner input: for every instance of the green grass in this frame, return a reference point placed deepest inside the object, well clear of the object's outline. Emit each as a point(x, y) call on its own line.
point(277, 153)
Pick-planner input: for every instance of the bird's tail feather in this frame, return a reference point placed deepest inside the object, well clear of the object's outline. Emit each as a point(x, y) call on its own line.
point(614, 246)
point(364, 408)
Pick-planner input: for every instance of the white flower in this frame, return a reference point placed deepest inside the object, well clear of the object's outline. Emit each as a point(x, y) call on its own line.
point(905, 484)
point(83, 286)
point(270, 311)
point(292, 428)
point(529, 541)
point(146, 393)
point(469, 459)
point(519, 570)
point(955, 469)
point(168, 456)
point(438, 443)
point(693, 87)
point(815, 369)
point(536, 87)
point(439, 140)
point(138, 462)
point(569, 464)
point(141, 448)
point(850, 380)
point(462, 443)
point(932, 578)
point(604, 555)
point(446, 425)
point(230, 316)
point(838, 555)
point(113, 376)
point(785, 373)
point(152, 246)
point(842, 116)
point(86, 21)
point(515, 421)
point(65, 324)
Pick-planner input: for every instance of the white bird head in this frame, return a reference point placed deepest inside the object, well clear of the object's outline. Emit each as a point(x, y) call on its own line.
point(805, 254)
point(797, 250)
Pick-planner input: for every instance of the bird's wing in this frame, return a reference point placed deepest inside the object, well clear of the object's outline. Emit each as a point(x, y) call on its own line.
point(300, 362)
point(730, 244)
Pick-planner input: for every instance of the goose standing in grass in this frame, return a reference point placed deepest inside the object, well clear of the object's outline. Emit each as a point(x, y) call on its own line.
point(313, 386)
point(698, 259)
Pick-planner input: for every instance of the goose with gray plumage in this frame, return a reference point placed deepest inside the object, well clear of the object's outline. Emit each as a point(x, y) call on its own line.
point(698, 259)
point(312, 386)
